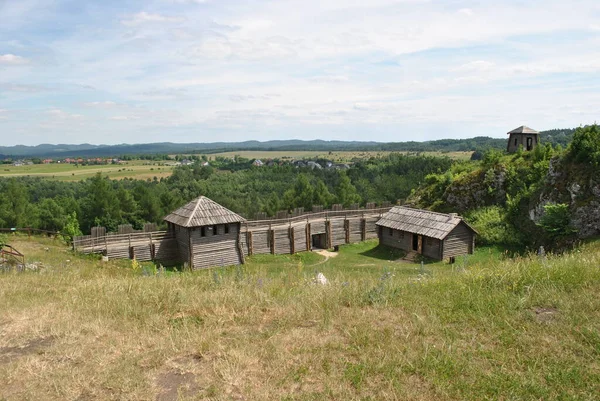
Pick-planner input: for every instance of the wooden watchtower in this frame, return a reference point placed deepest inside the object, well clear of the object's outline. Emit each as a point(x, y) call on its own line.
point(207, 234)
point(522, 136)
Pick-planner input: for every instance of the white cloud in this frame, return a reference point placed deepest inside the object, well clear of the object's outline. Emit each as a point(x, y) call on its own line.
point(103, 105)
point(58, 114)
point(475, 66)
point(144, 17)
point(466, 11)
point(11, 59)
point(124, 118)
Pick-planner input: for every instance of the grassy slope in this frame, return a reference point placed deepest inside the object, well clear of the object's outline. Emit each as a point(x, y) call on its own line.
point(487, 329)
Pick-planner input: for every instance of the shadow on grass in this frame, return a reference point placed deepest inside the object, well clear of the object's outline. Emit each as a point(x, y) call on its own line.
point(383, 252)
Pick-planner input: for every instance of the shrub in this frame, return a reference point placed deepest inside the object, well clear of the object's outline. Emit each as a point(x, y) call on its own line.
point(585, 147)
point(490, 223)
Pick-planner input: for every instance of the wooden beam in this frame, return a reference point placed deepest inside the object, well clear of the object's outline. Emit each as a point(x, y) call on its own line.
point(191, 248)
point(250, 243)
point(239, 245)
point(363, 229)
point(347, 230)
point(328, 234)
point(292, 240)
point(272, 236)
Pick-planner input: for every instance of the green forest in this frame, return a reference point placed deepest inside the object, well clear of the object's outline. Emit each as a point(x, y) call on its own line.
point(493, 193)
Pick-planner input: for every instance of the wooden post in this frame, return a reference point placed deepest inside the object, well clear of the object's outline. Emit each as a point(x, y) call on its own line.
point(292, 240)
point(191, 250)
point(105, 245)
point(363, 229)
point(272, 235)
point(347, 230)
point(239, 245)
point(328, 234)
point(308, 237)
point(250, 242)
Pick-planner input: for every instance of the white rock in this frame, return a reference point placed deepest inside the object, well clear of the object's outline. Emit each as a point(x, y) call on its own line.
point(321, 279)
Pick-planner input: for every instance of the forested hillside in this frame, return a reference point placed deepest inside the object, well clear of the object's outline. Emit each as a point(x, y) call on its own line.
point(481, 143)
point(46, 204)
point(549, 197)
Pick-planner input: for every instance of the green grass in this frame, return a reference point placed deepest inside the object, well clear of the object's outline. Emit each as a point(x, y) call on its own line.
point(490, 327)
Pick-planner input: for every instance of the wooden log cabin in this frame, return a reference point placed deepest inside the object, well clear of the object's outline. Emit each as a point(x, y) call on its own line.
point(207, 234)
point(435, 235)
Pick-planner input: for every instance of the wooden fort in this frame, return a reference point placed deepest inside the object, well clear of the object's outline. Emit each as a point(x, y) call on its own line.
point(435, 235)
point(204, 234)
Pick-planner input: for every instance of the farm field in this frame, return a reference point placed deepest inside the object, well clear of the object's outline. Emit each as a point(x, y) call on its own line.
point(488, 327)
point(69, 172)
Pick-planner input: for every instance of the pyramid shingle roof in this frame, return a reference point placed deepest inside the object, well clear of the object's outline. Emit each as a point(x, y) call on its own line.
point(202, 212)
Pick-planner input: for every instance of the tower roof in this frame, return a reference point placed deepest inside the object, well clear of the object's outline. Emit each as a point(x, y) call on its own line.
point(203, 212)
point(523, 129)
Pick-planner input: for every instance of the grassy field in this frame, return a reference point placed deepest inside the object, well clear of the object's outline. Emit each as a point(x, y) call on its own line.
point(139, 169)
point(486, 328)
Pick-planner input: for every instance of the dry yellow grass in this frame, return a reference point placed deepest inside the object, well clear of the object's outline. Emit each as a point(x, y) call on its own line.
point(82, 329)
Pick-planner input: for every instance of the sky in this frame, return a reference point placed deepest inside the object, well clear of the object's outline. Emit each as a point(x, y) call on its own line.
point(129, 71)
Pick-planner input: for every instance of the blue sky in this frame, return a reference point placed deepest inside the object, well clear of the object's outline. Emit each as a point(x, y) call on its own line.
point(128, 71)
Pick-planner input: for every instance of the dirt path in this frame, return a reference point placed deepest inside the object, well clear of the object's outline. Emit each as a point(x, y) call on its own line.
point(326, 254)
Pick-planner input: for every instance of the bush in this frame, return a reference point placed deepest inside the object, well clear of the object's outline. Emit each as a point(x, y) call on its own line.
point(490, 223)
point(585, 147)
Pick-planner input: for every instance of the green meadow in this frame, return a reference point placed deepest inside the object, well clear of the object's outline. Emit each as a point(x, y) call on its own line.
point(488, 327)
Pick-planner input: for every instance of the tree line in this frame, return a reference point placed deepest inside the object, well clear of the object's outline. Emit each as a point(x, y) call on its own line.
point(52, 205)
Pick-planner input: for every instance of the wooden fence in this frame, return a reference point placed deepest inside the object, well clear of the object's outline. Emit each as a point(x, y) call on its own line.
point(143, 246)
point(287, 235)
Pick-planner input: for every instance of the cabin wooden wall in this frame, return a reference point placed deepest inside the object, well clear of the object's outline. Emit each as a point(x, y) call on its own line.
point(458, 242)
point(396, 239)
point(432, 248)
point(213, 250)
point(183, 243)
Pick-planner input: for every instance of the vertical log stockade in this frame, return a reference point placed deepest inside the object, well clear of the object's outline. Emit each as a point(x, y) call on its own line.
point(204, 234)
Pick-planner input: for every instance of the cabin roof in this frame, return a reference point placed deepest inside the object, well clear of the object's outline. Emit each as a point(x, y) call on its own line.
point(203, 212)
point(421, 222)
point(523, 129)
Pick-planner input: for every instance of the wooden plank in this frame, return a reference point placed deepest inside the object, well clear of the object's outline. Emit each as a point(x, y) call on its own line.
point(292, 240)
point(347, 230)
point(363, 229)
point(250, 243)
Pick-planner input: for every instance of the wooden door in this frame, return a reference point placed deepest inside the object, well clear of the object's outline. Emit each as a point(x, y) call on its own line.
point(420, 245)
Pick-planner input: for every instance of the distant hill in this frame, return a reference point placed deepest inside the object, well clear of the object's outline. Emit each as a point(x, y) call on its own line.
point(555, 136)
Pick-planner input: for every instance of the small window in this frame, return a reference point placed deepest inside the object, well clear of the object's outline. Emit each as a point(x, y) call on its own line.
point(214, 230)
point(203, 231)
point(391, 232)
point(226, 228)
point(515, 141)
